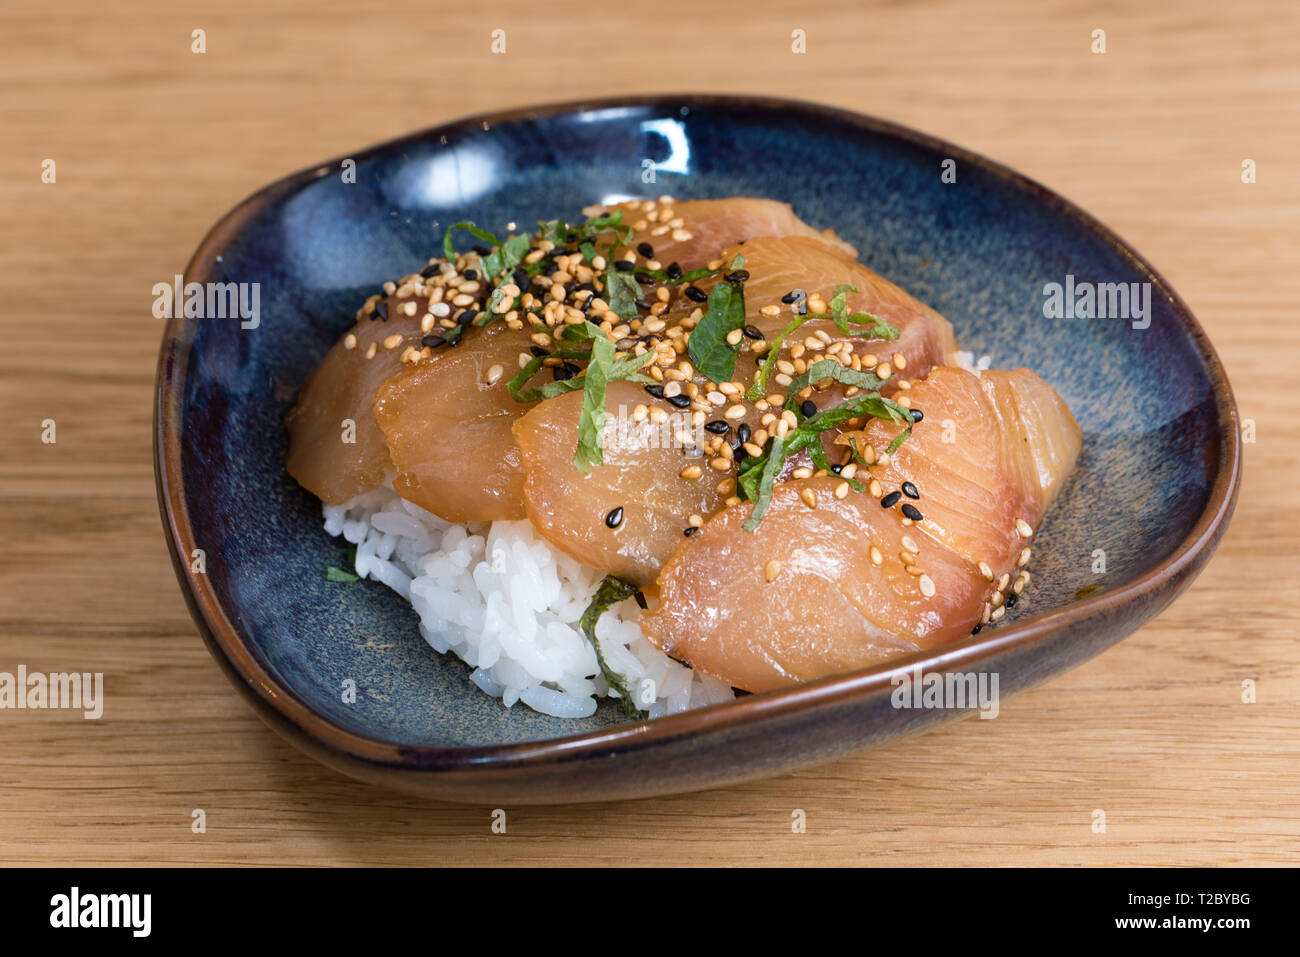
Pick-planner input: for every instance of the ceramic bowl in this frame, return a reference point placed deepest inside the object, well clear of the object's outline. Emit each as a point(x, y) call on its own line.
point(1155, 485)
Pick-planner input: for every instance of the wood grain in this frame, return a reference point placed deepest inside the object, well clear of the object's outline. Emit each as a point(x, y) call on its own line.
point(153, 143)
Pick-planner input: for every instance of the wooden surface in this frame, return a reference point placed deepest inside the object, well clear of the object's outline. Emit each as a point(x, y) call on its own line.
point(153, 143)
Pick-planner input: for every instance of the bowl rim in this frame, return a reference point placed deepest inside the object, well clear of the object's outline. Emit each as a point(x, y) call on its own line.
point(277, 700)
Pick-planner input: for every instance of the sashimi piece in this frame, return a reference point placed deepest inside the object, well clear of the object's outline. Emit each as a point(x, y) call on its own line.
point(691, 232)
point(336, 450)
point(641, 476)
point(827, 607)
point(447, 422)
point(975, 460)
point(1008, 425)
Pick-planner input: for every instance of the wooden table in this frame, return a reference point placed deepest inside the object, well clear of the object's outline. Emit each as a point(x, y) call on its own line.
point(153, 142)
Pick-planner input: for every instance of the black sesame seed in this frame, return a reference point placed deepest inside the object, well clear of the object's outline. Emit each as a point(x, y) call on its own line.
point(466, 317)
point(910, 490)
point(655, 390)
point(976, 629)
point(454, 337)
point(433, 341)
point(717, 426)
point(1011, 600)
point(643, 304)
point(912, 512)
point(482, 250)
point(739, 275)
point(538, 351)
point(644, 278)
point(681, 401)
point(471, 274)
point(381, 309)
point(622, 265)
point(674, 271)
point(743, 432)
point(429, 271)
point(646, 250)
point(917, 415)
point(890, 500)
point(753, 332)
point(808, 407)
point(695, 294)
point(585, 287)
point(690, 530)
point(640, 600)
point(792, 295)
point(564, 371)
point(615, 518)
point(521, 278)
point(550, 269)
point(836, 469)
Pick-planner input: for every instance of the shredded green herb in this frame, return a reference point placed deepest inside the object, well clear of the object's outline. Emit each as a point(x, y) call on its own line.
point(709, 349)
point(340, 575)
point(840, 315)
point(758, 474)
point(609, 593)
point(622, 291)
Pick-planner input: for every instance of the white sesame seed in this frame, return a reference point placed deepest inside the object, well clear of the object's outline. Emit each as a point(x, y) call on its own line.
point(927, 586)
point(1024, 528)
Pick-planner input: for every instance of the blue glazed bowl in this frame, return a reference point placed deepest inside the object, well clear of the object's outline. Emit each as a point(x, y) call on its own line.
point(1155, 485)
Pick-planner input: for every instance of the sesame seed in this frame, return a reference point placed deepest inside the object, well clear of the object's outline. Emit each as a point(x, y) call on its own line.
point(1023, 560)
point(910, 544)
point(809, 497)
point(874, 489)
point(890, 500)
point(927, 586)
point(1024, 528)
point(370, 352)
point(495, 373)
point(997, 613)
point(349, 341)
point(876, 557)
point(1003, 582)
point(720, 463)
point(735, 412)
point(771, 569)
point(393, 341)
point(910, 491)
point(900, 361)
point(986, 571)
point(842, 490)
point(912, 512)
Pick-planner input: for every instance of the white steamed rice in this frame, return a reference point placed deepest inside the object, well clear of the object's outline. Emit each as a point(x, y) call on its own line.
point(504, 601)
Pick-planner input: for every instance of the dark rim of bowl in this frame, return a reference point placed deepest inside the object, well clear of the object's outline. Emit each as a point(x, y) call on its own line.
point(224, 641)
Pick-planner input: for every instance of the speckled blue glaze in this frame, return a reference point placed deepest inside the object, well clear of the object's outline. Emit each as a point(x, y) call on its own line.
point(979, 250)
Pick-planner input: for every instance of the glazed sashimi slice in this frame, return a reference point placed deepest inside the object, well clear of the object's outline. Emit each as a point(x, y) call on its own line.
point(665, 487)
point(800, 597)
point(446, 423)
point(834, 579)
point(627, 515)
point(1011, 426)
point(691, 232)
point(336, 450)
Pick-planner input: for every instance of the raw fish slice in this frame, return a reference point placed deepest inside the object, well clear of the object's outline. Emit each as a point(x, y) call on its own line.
point(707, 225)
point(981, 468)
point(828, 607)
point(447, 422)
point(640, 475)
point(340, 390)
